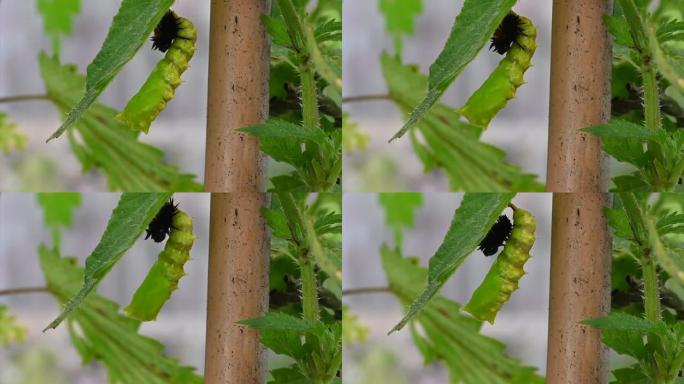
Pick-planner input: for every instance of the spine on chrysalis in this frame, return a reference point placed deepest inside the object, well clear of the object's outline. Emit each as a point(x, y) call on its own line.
point(163, 277)
point(503, 82)
point(160, 86)
point(503, 276)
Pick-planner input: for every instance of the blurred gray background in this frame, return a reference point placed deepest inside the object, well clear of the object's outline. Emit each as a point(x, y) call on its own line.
point(179, 130)
point(521, 324)
point(520, 129)
point(180, 325)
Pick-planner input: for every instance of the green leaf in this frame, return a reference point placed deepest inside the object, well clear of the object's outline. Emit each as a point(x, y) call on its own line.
point(278, 321)
point(353, 331)
point(668, 65)
point(288, 376)
point(400, 210)
point(450, 336)
point(619, 28)
point(279, 129)
point(10, 138)
point(99, 140)
point(472, 220)
point(10, 330)
point(617, 218)
point(476, 22)
point(620, 321)
point(58, 208)
point(671, 260)
point(400, 17)
point(450, 144)
point(99, 332)
point(618, 128)
point(58, 19)
point(129, 219)
point(130, 29)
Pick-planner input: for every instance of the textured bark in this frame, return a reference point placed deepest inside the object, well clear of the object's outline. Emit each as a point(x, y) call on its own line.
point(239, 252)
point(239, 63)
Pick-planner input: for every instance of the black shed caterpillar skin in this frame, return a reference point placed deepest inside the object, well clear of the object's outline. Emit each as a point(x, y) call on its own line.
point(160, 226)
point(497, 236)
point(176, 36)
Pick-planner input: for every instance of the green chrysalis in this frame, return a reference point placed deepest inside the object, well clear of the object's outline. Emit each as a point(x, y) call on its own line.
point(163, 277)
point(178, 35)
point(503, 276)
point(492, 96)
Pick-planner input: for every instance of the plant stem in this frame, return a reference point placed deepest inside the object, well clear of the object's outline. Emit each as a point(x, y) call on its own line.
point(651, 290)
point(10, 99)
point(644, 233)
point(304, 257)
point(651, 98)
point(309, 289)
point(365, 291)
point(18, 291)
point(362, 98)
point(309, 98)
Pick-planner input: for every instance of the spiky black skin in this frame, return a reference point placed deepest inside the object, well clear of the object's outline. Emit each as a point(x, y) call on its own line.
point(506, 34)
point(162, 223)
point(165, 32)
point(498, 234)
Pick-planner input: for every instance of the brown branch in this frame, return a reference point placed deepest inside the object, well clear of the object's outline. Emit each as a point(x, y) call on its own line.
point(361, 98)
point(18, 291)
point(367, 290)
point(10, 99)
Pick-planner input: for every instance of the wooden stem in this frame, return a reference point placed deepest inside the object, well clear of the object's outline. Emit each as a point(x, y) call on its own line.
point(239, 251)
point(239, 63)
point(580, 288)
point(581, 62)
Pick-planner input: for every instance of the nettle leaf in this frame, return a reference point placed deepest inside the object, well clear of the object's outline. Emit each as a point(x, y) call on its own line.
point(617, 218)
point(443, 141)
point(58, 19)
point(353, 330)
point(670, 30)
point(10, 138)
point(668, 65)
point(443, 333)
point(625, 333)
point(400, 18)
point(620, 321)
point(278, 321)
point(618, 27)
point(130, 29)
point(400, 211)
point(281, 129)
point(473, 26)
point(99, 332)
point(288, 376)
point(472, 220)
point(283, 333)
point(619, 128)
point(277, 29)
point(132, 215)
point(99, 140)
point(10, 330)
point(624, 140)
point(58, 208)
point(669, 223)
point(283, 141)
